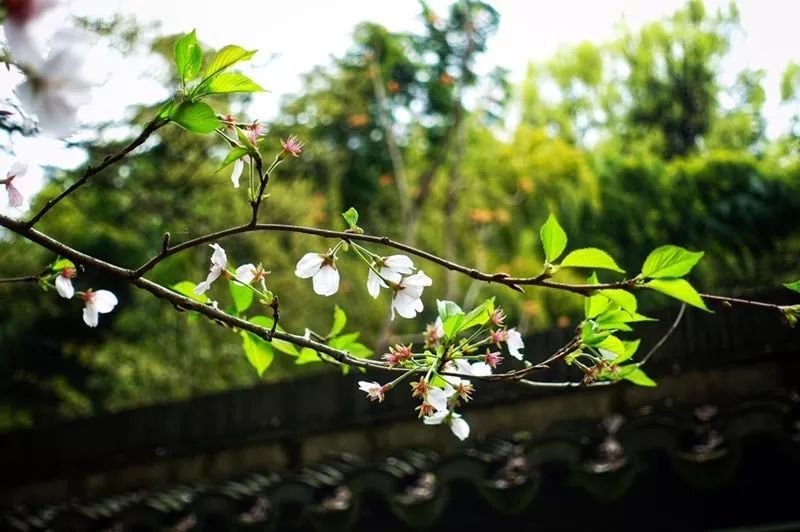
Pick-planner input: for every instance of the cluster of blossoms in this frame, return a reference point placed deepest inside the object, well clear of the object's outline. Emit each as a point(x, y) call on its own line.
point(246, 275)
point(395, 272)
point(253, 133)
point(94, 302)
point(447, 362)
point(56, 83)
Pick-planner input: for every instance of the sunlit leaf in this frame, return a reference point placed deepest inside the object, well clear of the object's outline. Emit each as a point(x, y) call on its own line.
point(258, 351)
point(186, 288)
point(197, 117)
point(351, 217)
point(635, 375)
point(590, 258)
point(670, 261)
point(793, 286)
point(339, 321)
point(226, 57)
point(281, 345)
point(554, 239)
point(228, 82)
point(680, 289)
point(242, 296)
point(188, 56)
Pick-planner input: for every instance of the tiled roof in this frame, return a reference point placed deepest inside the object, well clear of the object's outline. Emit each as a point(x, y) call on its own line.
point(672, 458)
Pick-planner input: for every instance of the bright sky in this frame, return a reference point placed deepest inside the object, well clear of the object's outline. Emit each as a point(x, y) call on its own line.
point(292, 37)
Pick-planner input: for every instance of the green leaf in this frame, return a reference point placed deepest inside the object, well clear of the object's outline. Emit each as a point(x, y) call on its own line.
point(351, 217)
point(228, 82)
point(594, 305)
point(168, 109)
point(614, 319)
point(594, 338)
point(188, 57)
point(670, 261)
point(62, 264)
point(258, 351)
point(554, 239)
point(447, 309)
point(242, 296)
point(358, 349)
point(307, 356)
point(611, 343)
point(680, 289)
point(281, 345)
point(186, 288)
point(479, 315)
point(235, 153)
point(793, 286)
point(341, 342)
point(197, 117)
point(339, 321)
point(226, 56)
point(623, 298)
point(634, 374)
point(453, 325)
point(630, 349)
point(590, 258)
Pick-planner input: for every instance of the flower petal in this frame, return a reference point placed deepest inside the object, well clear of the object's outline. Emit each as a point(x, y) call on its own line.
point(219, 258)
point(64, 287)
point(373, 283)
point(90, 315)
point(435, 419)
point(238, 166)
point(399, 263)
point(459, 426)
point(245, 273)
point(437, 399)
point(514, 343)
point(104, 301)
point(213, 275)
point(15, 198)
point(308, 265)
point(17, 169)
point(326, 281)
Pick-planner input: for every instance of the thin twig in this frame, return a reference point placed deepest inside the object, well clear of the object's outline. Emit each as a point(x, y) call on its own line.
point(665, 337)
point(577, 384)
point(91, 171)
point(740, 301)
point(23, 279)
point(515, 283)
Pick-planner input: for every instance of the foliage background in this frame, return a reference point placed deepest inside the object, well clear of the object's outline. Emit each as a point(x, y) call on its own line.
point(632, 143)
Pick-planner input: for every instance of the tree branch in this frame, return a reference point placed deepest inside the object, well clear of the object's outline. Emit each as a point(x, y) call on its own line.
point(515, 283)
point(23, 279)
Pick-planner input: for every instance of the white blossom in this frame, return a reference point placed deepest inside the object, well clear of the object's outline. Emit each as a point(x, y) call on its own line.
point(56, 85)
point(64, 283)
point(438, 397)
point(246, 273)
point(96, 303)
point(18, 169)
point(219, 263)
point(374, 390)
point(476, 369)
point(514, 343)
point(406, 300)
point(25, 38)
point(322, 270)
point(391, 268)
point(458, 425)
